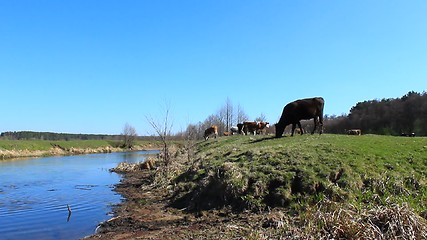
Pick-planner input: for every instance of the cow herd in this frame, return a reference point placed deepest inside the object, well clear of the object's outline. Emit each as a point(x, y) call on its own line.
point(244, 128)
point(293, 113)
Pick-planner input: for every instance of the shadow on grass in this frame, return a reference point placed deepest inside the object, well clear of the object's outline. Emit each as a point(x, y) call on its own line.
point(269, 138)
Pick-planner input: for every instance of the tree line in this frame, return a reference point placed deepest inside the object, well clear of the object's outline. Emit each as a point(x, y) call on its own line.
point(51, 136)
point(127, 136)
point(392, 116)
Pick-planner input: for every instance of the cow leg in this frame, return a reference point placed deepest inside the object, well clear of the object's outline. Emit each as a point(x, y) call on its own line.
point(320, 124)
point(293, 129)
point(315, 125)
point(300, 128)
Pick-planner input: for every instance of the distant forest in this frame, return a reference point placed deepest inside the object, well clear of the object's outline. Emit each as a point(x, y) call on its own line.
point(29, 135)
point(393, 116)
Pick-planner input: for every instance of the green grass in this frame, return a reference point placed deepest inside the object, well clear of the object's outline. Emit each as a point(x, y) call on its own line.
point(260, 171)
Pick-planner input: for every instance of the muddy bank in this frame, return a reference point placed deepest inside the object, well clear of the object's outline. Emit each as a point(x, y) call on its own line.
point(146, 214)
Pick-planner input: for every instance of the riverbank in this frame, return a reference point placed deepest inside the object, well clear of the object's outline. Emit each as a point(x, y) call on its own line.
point(11, 149)
point(146, 214)
point(305, 187)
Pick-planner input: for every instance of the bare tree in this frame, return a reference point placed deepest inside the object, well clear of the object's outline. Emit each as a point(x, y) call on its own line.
point(191, 135)
point(225, 115)
point(241, 115)
point(129, 136)
point(261, 118)
point(229, 113)
point(163, 130)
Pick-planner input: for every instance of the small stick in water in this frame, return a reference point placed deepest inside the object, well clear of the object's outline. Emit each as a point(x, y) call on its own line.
point(69, 213)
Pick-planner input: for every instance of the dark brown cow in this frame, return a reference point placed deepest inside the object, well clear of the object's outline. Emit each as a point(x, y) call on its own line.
point(240, 128)
point(407, 134)
point(303, 109)
point(237, 129)
point(212, 130)
point(354, 132)
point(254, 127)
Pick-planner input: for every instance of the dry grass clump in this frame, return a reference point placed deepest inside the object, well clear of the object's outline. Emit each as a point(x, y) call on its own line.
point(398, 221)
point(125, 167)
point(167, 171)
point(8, 154)
point(55, 150)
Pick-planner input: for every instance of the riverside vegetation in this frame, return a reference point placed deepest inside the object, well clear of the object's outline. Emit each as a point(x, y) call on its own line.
point(259, 187)
point(42, 148)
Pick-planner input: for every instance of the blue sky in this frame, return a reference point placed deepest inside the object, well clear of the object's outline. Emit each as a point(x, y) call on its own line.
point(86, 66)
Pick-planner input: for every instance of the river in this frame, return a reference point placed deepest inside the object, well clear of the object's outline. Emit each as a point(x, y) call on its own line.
point(34, 194)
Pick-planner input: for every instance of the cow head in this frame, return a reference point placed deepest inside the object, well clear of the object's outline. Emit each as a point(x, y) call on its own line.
point(280, 128)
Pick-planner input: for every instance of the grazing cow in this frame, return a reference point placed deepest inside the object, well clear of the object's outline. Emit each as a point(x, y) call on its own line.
point(254, 127)
point(262, 127)
point(301, 109)
point(210, 131)
point(237, 129)
point(354, 132)
point(407, 134)
point(240, 128)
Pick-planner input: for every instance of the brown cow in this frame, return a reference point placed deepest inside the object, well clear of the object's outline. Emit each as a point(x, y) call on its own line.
point(262, 126)
point(228, 133)
point(211, 130)
point(301, 109)
point(254, 127)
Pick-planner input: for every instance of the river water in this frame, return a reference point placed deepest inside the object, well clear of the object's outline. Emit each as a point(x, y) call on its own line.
point(34, 194)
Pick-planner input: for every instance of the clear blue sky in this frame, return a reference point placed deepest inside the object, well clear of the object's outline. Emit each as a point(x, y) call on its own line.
point(86, 66)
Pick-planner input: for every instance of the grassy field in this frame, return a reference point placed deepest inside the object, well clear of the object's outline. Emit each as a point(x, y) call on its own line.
point(257, 172)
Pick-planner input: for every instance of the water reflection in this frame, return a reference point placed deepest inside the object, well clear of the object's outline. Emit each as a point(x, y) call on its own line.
point(36, 195)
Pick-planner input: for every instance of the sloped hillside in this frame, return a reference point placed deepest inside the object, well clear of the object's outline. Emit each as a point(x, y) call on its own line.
point(293, 173)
